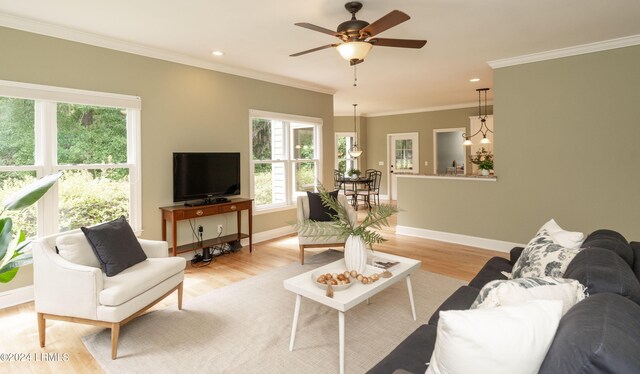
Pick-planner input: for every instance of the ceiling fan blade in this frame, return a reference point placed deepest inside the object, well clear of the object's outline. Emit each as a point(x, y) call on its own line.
point(317, 28)
point(355, 62)
point(401, 43)
point(312, 50)
point(392, 19)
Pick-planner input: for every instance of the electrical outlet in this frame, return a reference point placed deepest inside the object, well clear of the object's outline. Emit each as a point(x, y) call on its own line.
point(380, 163)
point(426, 163)
point(220, 229)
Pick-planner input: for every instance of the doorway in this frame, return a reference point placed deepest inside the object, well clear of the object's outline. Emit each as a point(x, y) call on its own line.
point(403, 155)
point(449, 152)
point(344, 161)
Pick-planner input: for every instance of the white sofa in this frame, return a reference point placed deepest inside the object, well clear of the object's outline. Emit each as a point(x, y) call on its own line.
point(330, 238)
point(70, 285)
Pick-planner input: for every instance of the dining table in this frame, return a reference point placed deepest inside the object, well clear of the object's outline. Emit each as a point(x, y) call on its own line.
point(357, 184)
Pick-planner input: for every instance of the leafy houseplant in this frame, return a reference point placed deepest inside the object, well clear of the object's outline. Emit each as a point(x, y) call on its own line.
point(13, 251)
point(483, 158)
point(358, 235)
point(354, 172)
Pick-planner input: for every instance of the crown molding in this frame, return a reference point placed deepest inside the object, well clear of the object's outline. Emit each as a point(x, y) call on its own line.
point(605, 45)
point(418, 110)
point(66, 33)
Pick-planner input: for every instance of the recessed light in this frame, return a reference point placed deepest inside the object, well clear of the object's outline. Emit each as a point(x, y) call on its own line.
point(474, 80)
point(217, 53)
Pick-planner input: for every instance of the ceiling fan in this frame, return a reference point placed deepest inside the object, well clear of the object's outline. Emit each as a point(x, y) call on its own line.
point(355, 34)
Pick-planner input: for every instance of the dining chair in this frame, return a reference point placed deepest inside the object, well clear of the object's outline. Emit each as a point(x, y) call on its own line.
point(373, 188)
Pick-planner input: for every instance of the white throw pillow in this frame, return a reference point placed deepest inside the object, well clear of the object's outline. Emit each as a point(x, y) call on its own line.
point(543, 258)
point(76, 248)
point(502, 340)
point(517, 291)
point(567, 239)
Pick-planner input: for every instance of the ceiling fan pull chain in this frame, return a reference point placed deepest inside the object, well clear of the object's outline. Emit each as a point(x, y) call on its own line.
point(355, 76)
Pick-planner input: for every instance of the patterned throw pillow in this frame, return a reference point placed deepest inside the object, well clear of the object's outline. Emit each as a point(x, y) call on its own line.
point(543, 258)
point(512, 292)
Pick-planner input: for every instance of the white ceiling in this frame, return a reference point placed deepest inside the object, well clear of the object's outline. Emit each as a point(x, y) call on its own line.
point(258, 36)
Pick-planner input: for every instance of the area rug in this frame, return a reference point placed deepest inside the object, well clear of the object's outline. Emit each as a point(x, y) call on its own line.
point(245, 328)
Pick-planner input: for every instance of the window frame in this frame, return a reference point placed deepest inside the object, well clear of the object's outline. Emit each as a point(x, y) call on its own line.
point(289, 160)
point(46, 141)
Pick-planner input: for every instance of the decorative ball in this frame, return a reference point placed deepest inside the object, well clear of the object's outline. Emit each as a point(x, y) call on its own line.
point(354, 273)
point(359, 277)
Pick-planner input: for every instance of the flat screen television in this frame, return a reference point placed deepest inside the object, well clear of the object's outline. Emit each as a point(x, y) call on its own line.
point(208, 177)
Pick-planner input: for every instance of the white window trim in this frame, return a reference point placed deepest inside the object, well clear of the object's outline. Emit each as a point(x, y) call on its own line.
point(289, 161)
point(45, 132)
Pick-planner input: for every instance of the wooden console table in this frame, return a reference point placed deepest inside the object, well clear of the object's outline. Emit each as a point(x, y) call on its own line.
point(177, 213)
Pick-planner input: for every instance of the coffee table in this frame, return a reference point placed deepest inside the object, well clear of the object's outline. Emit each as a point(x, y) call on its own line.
point(342, 301)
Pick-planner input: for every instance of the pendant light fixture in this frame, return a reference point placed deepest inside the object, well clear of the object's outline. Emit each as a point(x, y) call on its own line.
point(484, 129)
point(354, 151)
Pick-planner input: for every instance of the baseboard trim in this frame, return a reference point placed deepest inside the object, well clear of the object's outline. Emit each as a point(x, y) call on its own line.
point(15, 297)
point(270, 234)
point(472, 241)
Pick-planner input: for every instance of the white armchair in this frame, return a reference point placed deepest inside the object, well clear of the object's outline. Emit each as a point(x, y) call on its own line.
point(306, 239)
point(69, 287)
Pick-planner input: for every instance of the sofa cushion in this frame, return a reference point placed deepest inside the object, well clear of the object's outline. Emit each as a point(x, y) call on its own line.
point(459, 300)
point(502, 340)
point(601, 270)
point(599, 335)
point(567, 239)
point(115, 245)
point(611, 240)
point(635, 246)
point(139, 278)
point(411, 355)
point(543, 258)
point(517, 291)
point(492, 270)
point(317, 210)
point(76, 248)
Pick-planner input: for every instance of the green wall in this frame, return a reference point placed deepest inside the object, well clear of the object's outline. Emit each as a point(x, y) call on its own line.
point(566, 147)
point(184, 108)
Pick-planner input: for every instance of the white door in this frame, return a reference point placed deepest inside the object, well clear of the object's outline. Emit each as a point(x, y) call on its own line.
point(344, 161)
point(402, 157)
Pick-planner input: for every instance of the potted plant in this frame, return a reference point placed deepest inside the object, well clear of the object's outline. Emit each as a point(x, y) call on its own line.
point(484, 160)
point(354, 173)
point(359, 236)
point(13, 250)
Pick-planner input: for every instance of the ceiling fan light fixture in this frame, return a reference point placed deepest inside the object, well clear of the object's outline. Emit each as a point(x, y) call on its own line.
point(354, 50)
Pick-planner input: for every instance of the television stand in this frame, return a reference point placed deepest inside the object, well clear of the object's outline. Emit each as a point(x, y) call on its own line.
point(177, 213)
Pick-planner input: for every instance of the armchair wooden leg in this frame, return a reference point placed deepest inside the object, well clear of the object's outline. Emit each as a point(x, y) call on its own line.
point(180, 288)
point(301, 255)
point(115, 334)
point(42, 329)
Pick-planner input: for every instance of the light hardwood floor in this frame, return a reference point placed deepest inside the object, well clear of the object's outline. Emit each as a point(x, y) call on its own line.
point(19, 326)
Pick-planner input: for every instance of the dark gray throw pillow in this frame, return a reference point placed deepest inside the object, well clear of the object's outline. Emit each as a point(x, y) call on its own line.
point(317, 211)
point(115, 245)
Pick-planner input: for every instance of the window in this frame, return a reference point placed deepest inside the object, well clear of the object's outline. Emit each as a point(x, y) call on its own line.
point(285, 158)
point(92, 138)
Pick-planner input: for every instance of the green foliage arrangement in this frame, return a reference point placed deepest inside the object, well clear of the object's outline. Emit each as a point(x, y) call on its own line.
point(376, 218)
point(13, 253)
point(483, 158)
point(355, 172)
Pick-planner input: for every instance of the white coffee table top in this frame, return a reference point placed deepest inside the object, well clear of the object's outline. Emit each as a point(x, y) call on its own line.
point(348, 298)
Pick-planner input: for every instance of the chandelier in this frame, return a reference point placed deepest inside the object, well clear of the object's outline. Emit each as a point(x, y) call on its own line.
point(484, 129)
